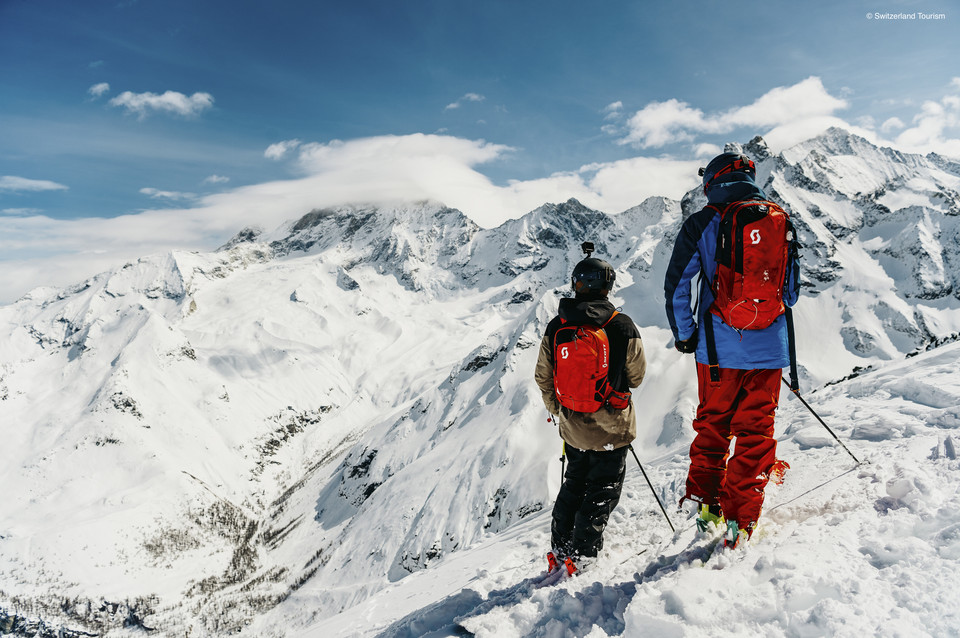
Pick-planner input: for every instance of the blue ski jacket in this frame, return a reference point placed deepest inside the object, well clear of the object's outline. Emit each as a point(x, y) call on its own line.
point(695, 254)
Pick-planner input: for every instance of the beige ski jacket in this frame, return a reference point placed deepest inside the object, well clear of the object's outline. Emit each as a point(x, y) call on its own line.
point(606, 429)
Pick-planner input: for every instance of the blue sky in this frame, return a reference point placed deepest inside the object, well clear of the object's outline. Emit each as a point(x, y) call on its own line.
point(122, 117)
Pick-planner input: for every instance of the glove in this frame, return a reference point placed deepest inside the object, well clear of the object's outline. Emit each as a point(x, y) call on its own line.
point(688, 345)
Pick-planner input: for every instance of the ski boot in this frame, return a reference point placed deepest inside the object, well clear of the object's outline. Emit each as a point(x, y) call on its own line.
point(709, 514)
point(779, 471)
point(553, 563)
point(735, 535)
point(568, 563)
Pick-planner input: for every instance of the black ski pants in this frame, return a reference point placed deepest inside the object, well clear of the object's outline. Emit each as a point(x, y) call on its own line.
point(591, 489)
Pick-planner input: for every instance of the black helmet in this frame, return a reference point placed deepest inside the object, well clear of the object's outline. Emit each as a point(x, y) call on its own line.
point(592, 275)
point(726, 163)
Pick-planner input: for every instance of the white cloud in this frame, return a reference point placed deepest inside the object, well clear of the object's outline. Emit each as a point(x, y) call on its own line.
point(660, 123)
point(892, 124)
point(790, 134)
point(98, 90)
point(159, 194)
point(613, 110)
point(216, 179)
point(280, 149)
point(931, 128)
point(385, 150)
point(783, 105)
point(17, 184)
point(444, 168)
point(672, 121)
point(617, 186)
point(469, 97)
point(169, 102)
point(707, 150)
point(21, 211)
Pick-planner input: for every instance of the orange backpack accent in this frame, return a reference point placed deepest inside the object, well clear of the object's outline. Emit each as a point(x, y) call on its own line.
point(752, 250)
point(581, 356)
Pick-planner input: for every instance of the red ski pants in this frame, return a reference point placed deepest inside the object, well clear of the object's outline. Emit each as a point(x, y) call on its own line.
point(742, 405)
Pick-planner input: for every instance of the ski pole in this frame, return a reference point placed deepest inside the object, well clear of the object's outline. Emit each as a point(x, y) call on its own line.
point(807, 406)
point(662, 509)
point(563, 461)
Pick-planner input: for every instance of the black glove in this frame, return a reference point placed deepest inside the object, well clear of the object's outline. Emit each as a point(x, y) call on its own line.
point(688, 345)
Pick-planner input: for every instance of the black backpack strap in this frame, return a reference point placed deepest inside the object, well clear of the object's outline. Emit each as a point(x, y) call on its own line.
point(712, 359)
point(792, 341)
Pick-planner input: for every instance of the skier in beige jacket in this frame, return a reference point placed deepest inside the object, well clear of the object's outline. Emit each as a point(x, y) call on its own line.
point(596, 443)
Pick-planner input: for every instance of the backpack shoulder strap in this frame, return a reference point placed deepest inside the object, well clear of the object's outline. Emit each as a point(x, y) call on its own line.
point(615, 313)
point(716, 208)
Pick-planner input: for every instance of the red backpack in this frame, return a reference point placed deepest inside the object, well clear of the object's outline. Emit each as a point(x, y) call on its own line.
point(752, 249)
point(581, 356)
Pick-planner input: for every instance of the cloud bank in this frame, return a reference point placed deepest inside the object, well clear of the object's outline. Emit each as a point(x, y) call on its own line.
point(43, 251)
point(671, 121)
point(932, 126)
point(376, 169)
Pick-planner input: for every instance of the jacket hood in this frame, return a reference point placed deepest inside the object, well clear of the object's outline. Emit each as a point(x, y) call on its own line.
point(734, 187)
point(589, 311)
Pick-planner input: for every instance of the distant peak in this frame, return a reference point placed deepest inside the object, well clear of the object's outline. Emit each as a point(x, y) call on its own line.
point(572, 205)
point(248, 235)
point(733, 147)
point(840, 141)
point(757, 149)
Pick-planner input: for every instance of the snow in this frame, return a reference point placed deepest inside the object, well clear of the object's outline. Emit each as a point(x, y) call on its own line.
point(843, 549)
point(332, 429)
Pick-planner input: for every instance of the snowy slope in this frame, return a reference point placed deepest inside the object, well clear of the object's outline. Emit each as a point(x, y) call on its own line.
point(332, 425)
point(843, 550)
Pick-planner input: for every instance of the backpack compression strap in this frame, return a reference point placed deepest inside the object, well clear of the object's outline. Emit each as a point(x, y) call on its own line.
point(712, 359)
point(792, 341)
point(714, 362)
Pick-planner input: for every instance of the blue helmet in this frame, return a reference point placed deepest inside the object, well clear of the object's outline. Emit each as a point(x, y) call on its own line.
point(724, 164)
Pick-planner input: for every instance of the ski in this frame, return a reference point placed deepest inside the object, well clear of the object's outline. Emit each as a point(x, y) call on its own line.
point(550, 578)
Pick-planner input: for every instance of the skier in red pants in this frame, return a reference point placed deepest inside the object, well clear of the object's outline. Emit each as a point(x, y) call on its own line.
point(739, 256)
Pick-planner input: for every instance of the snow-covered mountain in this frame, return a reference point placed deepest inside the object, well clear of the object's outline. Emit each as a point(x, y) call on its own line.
point(284, 432)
